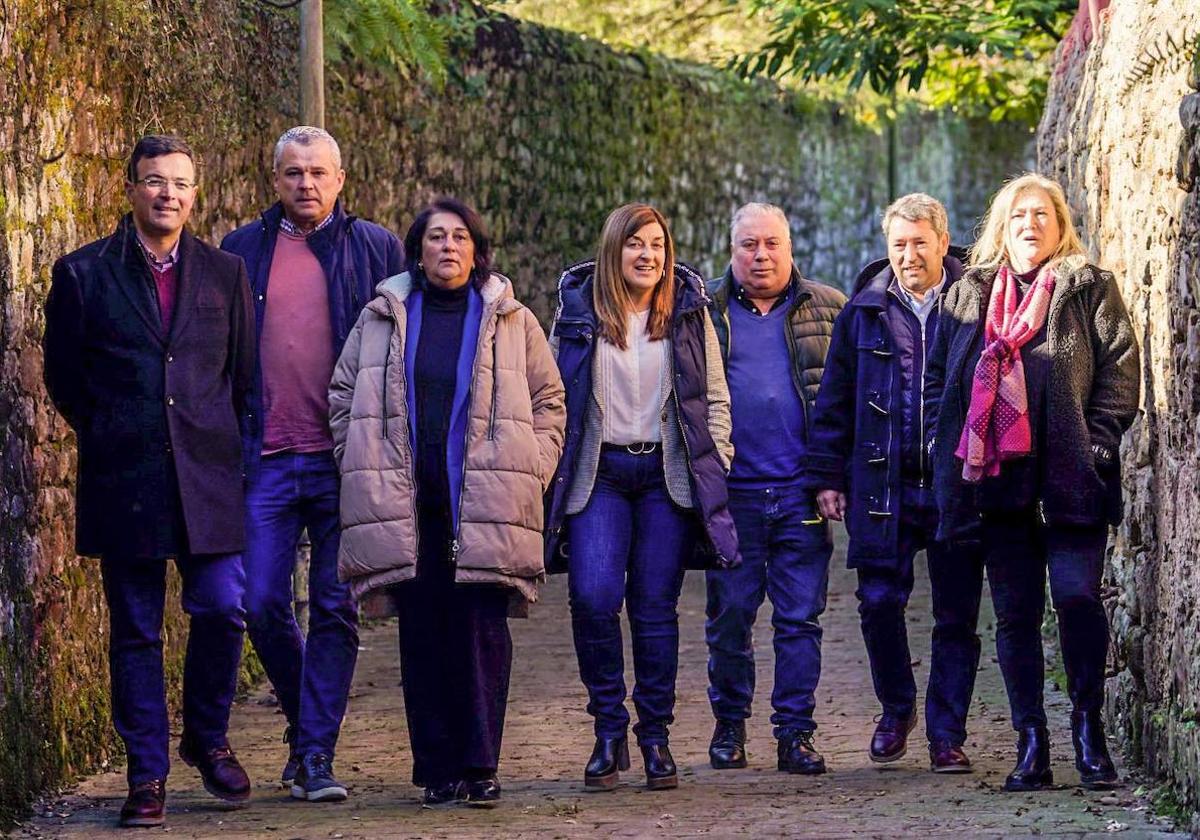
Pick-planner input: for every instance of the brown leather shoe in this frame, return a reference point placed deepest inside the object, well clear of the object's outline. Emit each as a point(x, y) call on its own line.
point(223, 776)
point(145, 805)
point(890, 741)
point(945, 757)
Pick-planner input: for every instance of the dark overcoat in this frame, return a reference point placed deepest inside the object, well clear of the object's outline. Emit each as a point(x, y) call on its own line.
point(1091, 398)
point(871, 409)
point(155, 413)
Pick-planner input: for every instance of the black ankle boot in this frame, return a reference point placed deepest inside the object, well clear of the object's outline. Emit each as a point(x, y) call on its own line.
point(609, 756)
point(1096, 771)
point(660, 767)
point(727, 749)
point(1033, 761)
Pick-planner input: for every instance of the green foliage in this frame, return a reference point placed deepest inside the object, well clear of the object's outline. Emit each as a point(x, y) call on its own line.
point(399, 37)
point(985, 57)
point(705, 31)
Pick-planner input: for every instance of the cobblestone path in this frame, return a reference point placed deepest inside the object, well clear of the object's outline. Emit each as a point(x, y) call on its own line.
point(548, 738)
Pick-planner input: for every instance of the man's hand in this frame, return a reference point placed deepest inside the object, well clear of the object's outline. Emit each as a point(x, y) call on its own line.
point(832, 504)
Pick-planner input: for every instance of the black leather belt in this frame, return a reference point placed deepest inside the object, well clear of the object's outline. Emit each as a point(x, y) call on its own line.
point(646, 448)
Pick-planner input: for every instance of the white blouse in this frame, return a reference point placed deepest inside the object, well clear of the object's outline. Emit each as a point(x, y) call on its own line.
point(631, 385)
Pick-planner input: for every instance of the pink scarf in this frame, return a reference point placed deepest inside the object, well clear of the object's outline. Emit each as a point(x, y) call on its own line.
point(997, 426)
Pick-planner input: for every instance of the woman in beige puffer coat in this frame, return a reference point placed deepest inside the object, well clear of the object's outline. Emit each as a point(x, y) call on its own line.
point(447, 413)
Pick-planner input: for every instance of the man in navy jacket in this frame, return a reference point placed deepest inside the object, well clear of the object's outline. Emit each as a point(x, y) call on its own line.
point(868, 466)
point(149, 352)
point(312, 269)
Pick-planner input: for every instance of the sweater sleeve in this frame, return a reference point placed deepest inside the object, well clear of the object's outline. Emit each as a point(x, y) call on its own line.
point(1113, 403)
point(720, 423)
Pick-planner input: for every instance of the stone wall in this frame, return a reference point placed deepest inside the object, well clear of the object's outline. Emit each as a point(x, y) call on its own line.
point(544, 131)
point(1122, 132)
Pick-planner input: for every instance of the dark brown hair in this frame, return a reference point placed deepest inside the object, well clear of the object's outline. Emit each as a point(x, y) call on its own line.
point(474, 222)
point(156, 145)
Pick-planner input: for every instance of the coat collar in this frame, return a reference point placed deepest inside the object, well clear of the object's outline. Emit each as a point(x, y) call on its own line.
point(874, 280)
point(273, 216)
point(394, 291)
point(121, 254)
point(1073, 273)
point(797, 287)
point(575, 292)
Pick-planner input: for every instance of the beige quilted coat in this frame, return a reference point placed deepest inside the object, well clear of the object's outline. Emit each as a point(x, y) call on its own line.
point(514, 440)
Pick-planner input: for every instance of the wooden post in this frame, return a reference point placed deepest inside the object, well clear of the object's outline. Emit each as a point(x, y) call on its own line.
point(312, 64)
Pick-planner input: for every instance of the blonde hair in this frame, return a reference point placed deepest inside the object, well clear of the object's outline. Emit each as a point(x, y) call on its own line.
point(610, 295)
point(991, 248)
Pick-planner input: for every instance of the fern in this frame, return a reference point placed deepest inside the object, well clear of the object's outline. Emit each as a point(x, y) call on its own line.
point(403, 37)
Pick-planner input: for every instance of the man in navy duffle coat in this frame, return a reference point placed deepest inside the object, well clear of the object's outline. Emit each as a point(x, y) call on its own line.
point(149, 350)
point(868, 466)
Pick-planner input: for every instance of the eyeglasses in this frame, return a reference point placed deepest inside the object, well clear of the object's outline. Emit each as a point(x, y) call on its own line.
point(157, 183)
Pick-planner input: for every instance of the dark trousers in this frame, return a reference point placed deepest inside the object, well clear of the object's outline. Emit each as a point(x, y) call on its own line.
point(291, 492)
point(627, 544)
point(135, 589)
point(1020, 553)
point(455, 659)
point(785, 550)
point(956, 583)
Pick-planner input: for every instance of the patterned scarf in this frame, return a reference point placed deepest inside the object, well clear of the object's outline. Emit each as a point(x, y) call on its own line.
point(997, 426)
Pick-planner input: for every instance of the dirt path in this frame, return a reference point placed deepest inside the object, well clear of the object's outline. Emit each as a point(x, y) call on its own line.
point(548, 739)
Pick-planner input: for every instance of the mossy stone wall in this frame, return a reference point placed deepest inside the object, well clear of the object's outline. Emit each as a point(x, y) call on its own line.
point(544, 131)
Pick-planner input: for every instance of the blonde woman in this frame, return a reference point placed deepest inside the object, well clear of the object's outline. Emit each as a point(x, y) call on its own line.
point(1032, 381)
point(642, 481)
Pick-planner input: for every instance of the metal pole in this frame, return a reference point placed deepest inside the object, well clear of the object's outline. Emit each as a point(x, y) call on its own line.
point(312, 64)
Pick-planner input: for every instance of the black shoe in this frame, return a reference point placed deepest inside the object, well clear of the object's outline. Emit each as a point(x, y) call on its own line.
point(1033, 761)
point(660, 767)
point(483, 793)
point(1096, 771)
point(145, 805)
point(450, 793)
point(798, 755)
point(608, 756)
point(727, 749)
point(223, 776)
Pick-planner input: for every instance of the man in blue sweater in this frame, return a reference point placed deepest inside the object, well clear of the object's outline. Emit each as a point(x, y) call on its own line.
point(774, 327)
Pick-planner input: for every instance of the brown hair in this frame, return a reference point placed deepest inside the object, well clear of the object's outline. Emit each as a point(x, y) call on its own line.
point(610, 295)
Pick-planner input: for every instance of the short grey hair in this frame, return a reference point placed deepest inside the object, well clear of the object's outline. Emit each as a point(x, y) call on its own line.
point(756, 208)
point(306, 135)
point(918, 207)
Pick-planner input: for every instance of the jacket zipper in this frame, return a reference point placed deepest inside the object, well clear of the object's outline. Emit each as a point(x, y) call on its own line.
point(383, 413)
point(491, 435)
point(454, 544)
point(921, 414)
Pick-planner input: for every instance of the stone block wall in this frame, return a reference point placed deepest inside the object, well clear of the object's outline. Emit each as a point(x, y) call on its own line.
point(1122, 133)
point(544, 131)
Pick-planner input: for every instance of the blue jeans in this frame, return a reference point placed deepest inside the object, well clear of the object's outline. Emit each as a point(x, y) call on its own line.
point(291, 492)
point(956, 581)
point(785, 556)
point(1020, 554)
point(628, 543)
point(135, 589)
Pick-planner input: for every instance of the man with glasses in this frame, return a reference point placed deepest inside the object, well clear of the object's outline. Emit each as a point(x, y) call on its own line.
point(149, 354)
point(312, 269)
